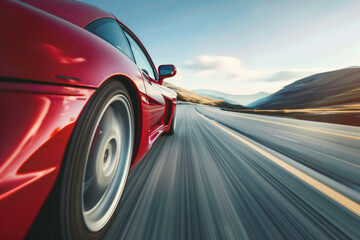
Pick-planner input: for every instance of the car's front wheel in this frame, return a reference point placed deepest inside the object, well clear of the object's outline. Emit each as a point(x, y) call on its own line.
point(97, 163)
point(95, 169)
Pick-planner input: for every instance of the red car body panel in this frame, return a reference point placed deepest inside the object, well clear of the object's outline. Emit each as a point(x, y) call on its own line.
point(47, 46)
point(49, 69)
point(35, 130)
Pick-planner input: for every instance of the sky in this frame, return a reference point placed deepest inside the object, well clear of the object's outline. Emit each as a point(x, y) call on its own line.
point(244, 46)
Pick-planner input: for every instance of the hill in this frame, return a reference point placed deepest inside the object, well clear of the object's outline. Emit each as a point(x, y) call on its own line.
point(324, 89)
point(231, 98)
point(189, 96)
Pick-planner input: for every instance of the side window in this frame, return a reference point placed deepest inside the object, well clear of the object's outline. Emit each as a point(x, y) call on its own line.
point(109, 30)
point(140, 58)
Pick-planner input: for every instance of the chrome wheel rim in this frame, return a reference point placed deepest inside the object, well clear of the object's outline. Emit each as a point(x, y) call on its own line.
point(108, 162)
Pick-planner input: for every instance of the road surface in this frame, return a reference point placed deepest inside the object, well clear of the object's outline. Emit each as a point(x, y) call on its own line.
point(227, 175)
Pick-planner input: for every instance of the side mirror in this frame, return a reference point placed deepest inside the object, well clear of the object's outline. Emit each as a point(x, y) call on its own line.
point(166, 71)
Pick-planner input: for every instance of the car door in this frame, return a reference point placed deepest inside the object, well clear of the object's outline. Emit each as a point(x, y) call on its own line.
point(153, 89)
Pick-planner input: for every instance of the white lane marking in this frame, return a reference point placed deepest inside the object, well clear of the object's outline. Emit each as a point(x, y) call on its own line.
point(296, 126)
point(331, 193)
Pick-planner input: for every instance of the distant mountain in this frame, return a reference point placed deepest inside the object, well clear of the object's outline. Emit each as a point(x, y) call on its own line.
point(319, 90)
point(234, 99)
point(189, 96)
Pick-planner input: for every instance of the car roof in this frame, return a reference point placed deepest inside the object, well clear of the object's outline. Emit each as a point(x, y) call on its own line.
point(78, 13)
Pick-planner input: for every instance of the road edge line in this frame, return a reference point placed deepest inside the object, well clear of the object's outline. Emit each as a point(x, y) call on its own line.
point(297, 126)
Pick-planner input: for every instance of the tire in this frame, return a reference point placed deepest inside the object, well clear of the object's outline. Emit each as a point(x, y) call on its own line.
point(96, 166)
point(172, 126)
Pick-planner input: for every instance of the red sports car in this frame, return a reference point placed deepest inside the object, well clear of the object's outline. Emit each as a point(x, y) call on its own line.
point(81, 103)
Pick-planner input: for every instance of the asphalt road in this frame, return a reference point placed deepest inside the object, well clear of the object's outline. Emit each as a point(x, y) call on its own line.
point(228, 175)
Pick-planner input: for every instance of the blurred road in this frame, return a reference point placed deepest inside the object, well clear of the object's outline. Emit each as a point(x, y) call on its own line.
point(227, 175)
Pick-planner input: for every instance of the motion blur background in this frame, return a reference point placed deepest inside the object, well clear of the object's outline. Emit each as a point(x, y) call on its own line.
point(222, 175)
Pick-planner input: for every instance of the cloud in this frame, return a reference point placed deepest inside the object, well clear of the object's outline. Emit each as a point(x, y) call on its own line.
point(227, 67)
point(230, 74)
